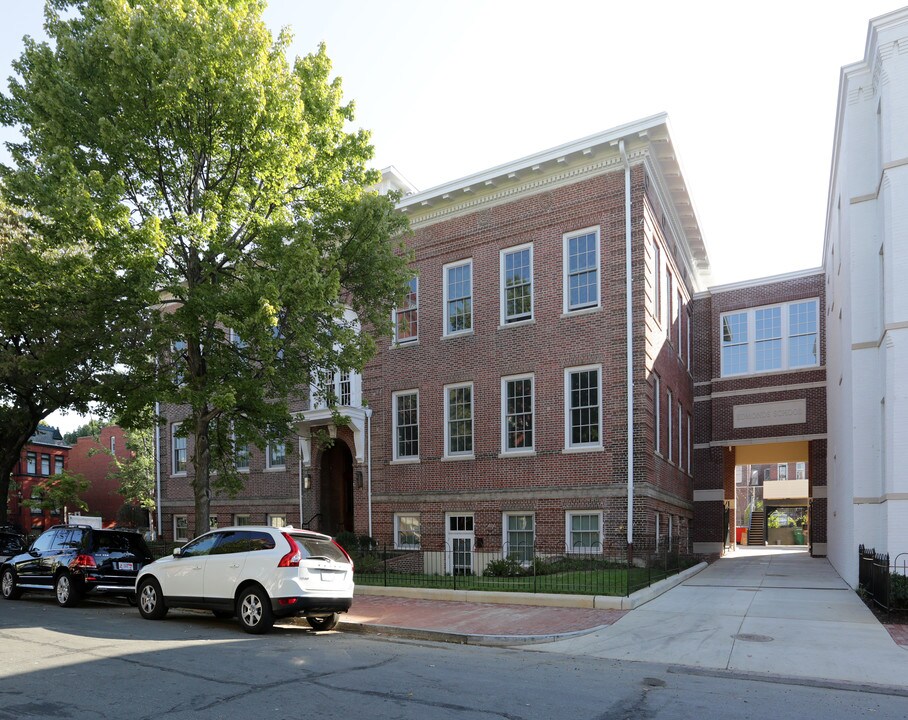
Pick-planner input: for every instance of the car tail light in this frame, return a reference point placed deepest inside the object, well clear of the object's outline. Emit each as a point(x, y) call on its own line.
point(292, 558)
point(287, 601)
point(346, 554)
point(83, 561)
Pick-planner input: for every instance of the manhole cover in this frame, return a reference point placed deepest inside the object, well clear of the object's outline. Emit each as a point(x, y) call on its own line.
point(748, 637)
point(654, 682)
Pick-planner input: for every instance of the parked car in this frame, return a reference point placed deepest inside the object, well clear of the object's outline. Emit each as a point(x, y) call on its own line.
point(11, 543)
point(74, 560)
point(257, 573)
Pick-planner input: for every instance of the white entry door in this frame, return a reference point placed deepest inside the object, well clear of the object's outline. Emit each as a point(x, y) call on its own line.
point(460, 539)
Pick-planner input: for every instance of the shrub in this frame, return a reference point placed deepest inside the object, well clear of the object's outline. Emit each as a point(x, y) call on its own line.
point(506, 567)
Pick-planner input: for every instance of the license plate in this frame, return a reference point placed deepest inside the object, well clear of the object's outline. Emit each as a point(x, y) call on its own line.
point(125, 566)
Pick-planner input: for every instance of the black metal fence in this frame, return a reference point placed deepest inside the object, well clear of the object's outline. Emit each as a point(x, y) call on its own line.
point(885, 582)
point(597, 570)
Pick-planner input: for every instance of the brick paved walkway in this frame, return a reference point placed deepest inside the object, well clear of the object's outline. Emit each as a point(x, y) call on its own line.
point(476, 618)
point(899, 633)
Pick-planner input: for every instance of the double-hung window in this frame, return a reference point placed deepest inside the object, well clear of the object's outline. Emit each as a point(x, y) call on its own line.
point(581, 270)
point(458, 297)
point(276, 455)
point(782, 473)
point(31, 463)
point(517, 413)
point(58, 464)
point(406, 424)
point(406, 317)
point(668, 413)
point(583, 531)
point(771, 338)
point(657, 282)
point(657, 413)
point(45, 464)
point(241, 456)
point(407, 531)
point(178, 443)
point(459, 420)
point(519, 536)
point(516, 284)
point(583, 404)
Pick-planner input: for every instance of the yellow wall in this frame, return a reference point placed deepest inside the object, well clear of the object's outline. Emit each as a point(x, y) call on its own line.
point(768, 453)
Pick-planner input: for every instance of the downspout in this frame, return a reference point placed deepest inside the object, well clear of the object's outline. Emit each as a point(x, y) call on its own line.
point(157, 467)
point(368, 411)
point(630, 349)
point(299, 443)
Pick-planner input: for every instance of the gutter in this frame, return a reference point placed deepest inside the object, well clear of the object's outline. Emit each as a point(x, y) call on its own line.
point(630, 348)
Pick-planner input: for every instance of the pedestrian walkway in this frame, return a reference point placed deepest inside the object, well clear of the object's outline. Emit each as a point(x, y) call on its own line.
point(774, 611)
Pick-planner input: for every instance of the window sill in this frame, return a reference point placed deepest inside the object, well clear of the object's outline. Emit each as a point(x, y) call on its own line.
point(407, 548)
point(276, 468)
point(462, 333)
point(178, 474)
point(408, 343)
point(517, 323)
point(582, 449)
point(518, 454)
point(452, 458)
point(581, 311)
point(405, 461)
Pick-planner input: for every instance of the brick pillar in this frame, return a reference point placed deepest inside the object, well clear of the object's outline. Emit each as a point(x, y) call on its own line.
point(816, 488)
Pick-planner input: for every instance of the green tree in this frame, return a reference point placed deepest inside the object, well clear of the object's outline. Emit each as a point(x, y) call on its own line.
point(90, 429)
point(66, 311)
point(59, 491)
point(181, 125)
point(135, 474)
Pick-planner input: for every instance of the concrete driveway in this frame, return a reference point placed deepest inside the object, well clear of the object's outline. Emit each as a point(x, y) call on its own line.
point(767, 610)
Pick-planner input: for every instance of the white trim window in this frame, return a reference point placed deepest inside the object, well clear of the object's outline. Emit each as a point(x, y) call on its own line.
point(180, 528)
point(782, 472)
point(583, 530)
point(405, 410)
point(690, 322)
point(241, 519)
point(406, 317)
point(680, 436)
point(277, 520)
point(581, 270)
point(407, 531)
point(516, 279)
point(458, 297)
point(678, 315)
point(668, 303)
point(690, 447)
point(58, 464)
point(770, 338)
point(275, 456)
point(518, 536)
point(459, 420)
point(668, 408)
point(657, 282)
point(517, 402)
point(178, 451)
point(583, 407)
point(657, 413)
point(801, 471)
point(241, 456)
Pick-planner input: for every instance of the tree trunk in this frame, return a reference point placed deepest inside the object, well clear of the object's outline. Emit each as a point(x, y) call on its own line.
point(201, 481)
point(12, 440)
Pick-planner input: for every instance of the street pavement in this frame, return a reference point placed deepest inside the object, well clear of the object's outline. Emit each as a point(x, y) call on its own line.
point(770, 611)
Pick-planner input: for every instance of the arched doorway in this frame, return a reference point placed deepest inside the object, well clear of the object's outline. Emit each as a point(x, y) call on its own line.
point(336, 490)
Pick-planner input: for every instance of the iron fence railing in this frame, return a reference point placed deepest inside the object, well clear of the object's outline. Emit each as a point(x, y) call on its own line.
point(537, 568)
point(885, 582)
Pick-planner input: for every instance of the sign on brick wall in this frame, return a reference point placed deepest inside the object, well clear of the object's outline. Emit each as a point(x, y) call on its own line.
point(787, 412)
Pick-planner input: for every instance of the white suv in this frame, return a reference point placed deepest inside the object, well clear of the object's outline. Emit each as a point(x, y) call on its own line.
point(257, 573)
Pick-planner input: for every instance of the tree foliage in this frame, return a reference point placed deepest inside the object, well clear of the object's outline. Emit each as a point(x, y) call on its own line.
point(90, 429)
point(180, 127)
point(135, 474)
point(63, 490)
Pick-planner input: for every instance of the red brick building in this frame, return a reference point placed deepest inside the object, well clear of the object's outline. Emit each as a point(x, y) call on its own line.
point(44, 455)
point(92, 458)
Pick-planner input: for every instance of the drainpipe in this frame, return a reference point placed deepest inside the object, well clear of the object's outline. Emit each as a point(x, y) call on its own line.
point(157, 466)
point(299, 443)
point(368, 411)
point(630, 350)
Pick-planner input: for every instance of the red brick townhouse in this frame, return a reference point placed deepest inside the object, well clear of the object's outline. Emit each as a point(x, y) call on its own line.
point(92, 459)
point(44, 455)
point(498, 415)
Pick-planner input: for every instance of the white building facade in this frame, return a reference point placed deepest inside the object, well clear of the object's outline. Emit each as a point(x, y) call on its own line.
point(865, 259)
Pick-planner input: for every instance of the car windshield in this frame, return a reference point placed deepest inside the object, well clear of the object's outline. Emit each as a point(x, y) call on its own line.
point(316, 547)
point(119, 542)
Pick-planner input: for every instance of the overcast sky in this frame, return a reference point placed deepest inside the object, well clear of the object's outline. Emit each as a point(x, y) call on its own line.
point(449, 89)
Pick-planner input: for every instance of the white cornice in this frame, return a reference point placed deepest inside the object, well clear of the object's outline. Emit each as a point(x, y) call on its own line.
point(756, 282)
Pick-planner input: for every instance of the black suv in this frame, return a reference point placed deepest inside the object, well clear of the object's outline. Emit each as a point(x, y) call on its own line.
point(11, 543)
point(73, 560)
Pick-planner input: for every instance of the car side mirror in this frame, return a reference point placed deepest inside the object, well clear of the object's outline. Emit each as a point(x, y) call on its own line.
point(177, 552)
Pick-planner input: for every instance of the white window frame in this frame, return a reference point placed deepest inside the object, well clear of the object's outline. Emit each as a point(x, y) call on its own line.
point(502, 290)
point(414, 308)
point(113, 444)
point(780, 472)
point(800, 471)
point(236, 447)
point(268, 463)
point(657, 412)
point(526, 449)
point(690, 322)
point(680, 436)
point(657, 282)
point(176, 536)
point(670, 415)
point(679, 312)
point(463, 454)
point(174, 429)
point(565, 270)
point(690, 447)
point(669, 301)
point(447, 332)
point(276, 517)
point(398, 545)
point(568, 516)
point(786, 337)
point(568, 444)
point(505, 531)
point(396, 456)
point(237, 517)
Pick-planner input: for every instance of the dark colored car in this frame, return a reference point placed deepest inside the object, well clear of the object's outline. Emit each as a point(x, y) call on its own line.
point(11, 543)
point(74, 560)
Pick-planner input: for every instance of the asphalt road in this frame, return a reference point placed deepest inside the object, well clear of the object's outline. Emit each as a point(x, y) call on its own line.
point(103, 661)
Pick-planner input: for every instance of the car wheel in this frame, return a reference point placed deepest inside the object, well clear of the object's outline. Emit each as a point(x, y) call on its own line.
point(253, 608)
point(222, 614)
point(67, 594)
point(151, 601)
point(328, 622)
point(8, 587)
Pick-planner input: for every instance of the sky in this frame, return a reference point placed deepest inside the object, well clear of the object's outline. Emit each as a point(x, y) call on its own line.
point(449, 89)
